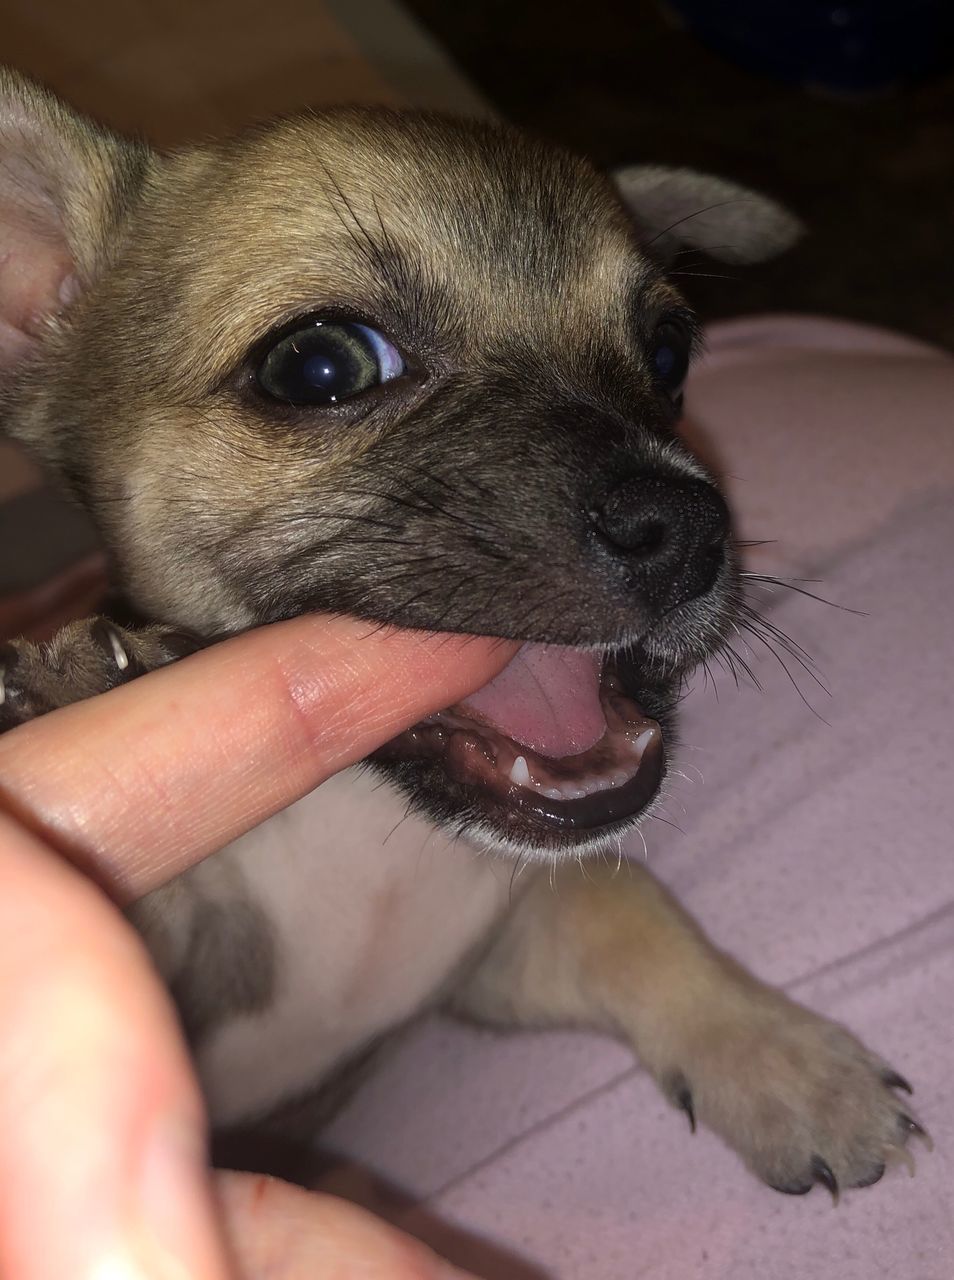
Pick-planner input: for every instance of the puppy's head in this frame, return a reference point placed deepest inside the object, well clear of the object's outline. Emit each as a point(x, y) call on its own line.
point(421, 371)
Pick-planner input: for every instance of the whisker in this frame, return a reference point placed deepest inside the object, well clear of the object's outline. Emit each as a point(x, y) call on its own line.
point(793, 647)
point(514, 875)
point(736, 658)
point(667, 822)
point(795, 685)
point(789, 584)
point(720, 204)
point(642, 837)
point(757, 627)
point(702, 275)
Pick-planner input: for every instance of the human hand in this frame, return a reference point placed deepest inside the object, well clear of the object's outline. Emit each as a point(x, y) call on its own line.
point(102, 1167)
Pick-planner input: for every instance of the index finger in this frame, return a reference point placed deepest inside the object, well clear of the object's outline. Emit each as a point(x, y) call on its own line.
point(144, 781)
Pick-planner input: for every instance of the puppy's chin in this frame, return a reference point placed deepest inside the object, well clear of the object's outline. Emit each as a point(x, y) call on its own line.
point(560, 755)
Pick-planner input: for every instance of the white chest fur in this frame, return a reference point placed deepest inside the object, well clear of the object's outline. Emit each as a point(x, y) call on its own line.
point(369, 915)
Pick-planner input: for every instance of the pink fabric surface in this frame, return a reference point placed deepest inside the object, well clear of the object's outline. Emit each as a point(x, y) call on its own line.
point(818, 850)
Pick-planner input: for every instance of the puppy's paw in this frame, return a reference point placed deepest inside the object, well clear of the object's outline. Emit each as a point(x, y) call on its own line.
point(800, 1098)
point(83, 659)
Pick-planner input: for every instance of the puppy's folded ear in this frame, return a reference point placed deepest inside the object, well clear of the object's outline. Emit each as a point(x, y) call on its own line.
point(64, 185)
point(680, 208)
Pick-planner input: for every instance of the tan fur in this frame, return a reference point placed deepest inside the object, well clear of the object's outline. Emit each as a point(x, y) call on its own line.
point(611, 948)
point(134, 290)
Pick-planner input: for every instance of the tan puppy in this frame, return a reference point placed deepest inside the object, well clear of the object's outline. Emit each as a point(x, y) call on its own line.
point(428, 373)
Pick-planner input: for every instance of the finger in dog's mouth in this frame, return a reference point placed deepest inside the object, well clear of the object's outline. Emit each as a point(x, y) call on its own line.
point(554, 738)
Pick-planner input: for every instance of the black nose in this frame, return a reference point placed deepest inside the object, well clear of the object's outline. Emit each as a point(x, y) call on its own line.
point(671, 532)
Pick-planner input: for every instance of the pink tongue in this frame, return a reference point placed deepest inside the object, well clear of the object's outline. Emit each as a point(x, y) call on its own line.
point(547, 698)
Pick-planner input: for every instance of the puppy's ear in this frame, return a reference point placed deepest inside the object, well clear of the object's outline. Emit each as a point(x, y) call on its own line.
point(680, 208)
point(64, 185)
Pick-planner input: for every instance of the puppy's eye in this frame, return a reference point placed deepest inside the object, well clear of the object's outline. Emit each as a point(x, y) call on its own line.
point(670, 357)
point(326, 361)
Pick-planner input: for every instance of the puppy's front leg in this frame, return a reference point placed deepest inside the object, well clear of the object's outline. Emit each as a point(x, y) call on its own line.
point(82, 659)
point(797, 1096)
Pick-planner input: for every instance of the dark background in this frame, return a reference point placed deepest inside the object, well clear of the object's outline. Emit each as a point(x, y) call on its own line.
point(871, 176)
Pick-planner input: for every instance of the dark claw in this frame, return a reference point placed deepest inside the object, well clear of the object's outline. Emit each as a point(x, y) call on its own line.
point(875, 1177)
point(821, 1172)
point(684, 1099)
point(680, 1093)
point(895, 1081)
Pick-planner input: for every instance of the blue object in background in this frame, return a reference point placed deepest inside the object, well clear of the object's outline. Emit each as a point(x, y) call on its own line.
point(858, 46)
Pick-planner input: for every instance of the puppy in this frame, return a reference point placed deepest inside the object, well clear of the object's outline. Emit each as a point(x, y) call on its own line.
point(428, 373)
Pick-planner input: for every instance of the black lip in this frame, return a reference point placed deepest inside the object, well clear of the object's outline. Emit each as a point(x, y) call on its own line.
point(448, 796)
point(596, 812)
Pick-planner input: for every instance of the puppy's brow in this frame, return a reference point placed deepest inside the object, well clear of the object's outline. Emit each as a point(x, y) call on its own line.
point(422, 303)
point(401, 286)
point(649, 295)
point(347, 215)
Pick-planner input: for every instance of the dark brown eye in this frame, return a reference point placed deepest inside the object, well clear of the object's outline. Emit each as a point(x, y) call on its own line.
point(670, 357)
point(326, 361)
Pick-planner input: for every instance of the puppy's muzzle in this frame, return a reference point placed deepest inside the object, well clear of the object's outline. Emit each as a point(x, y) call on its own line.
point(671, 534)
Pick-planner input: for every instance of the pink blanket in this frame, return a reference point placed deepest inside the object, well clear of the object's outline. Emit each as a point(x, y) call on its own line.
point(816, 849)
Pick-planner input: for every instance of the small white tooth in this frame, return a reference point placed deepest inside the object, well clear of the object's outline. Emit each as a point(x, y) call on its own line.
point(643, 741)
point(574, 793)
point(553, 793)
point(620, 779)
point(519, 773)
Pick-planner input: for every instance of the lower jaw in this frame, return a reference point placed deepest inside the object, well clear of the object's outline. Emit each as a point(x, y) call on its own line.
point(454, 766)
point(517, 814)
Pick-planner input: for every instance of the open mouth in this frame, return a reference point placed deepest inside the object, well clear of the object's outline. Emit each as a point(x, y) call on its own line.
point(554, 738)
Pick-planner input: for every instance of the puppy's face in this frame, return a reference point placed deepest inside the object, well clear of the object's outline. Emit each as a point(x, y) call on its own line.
point(416, 371)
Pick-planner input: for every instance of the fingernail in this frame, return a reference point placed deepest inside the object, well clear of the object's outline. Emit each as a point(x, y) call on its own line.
point(174, 1220)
